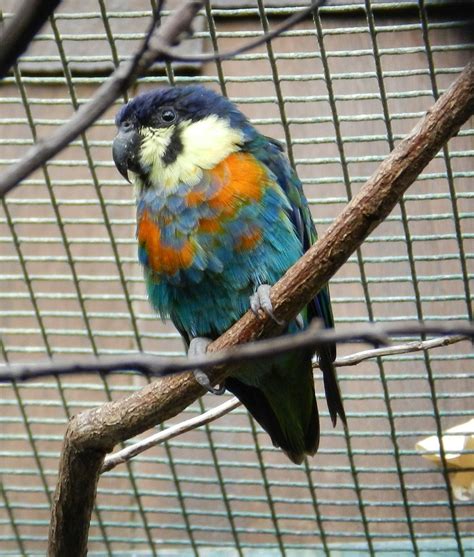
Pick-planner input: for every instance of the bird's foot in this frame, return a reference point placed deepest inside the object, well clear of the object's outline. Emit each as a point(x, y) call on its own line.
point(198, 347)
point(261, 301)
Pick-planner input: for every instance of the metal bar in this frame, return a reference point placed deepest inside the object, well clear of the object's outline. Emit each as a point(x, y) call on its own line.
point(347, 183)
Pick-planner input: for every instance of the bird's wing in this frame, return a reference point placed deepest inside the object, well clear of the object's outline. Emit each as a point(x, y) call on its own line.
point(270, 153)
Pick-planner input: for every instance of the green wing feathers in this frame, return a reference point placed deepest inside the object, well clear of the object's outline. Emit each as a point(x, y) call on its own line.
point(284, 404)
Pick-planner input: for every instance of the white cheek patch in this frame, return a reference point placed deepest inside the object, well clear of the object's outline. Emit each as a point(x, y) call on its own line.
point(204, 144)
point(209, 141)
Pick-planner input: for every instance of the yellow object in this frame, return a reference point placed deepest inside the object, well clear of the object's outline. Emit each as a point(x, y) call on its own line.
point(458, 443)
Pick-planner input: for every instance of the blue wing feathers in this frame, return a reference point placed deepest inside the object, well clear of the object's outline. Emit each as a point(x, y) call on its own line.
point(270, 153)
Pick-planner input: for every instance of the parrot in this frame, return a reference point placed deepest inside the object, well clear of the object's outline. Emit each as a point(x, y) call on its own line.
point(221, 216)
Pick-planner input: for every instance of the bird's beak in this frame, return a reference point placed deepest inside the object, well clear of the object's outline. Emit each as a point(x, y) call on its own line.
point(125, 151)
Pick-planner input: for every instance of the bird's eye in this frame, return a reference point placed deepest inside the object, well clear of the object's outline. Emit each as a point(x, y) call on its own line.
point(168, 115)
point(127, 125)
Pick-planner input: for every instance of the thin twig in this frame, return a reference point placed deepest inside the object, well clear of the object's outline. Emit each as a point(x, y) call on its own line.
point(290, 22)
point(156, 366)
point(406, 348)
point(168, 34)
point(120, 457)
point(124, 455)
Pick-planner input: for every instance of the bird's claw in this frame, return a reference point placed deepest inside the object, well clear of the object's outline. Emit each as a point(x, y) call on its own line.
point(198, 347)
point(203, 380)
point(260, 300)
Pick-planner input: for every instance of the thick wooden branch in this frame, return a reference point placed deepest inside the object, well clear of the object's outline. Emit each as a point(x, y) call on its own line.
point(131, 451)
point(92, 434)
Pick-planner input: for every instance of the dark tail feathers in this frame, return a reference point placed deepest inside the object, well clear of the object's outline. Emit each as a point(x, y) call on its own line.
point(257, 404)
point(331, 388)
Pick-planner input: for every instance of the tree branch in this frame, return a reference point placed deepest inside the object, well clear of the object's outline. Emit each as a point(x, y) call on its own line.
point(405, 348)
point(92, 434)
point(27, 21)
point(120, 457)
point(290, 22)
point(313, 337)
point(128, 453)
point(157, 45)
point(168, 35)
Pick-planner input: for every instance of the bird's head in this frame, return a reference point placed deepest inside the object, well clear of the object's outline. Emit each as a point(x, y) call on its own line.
point(168, 136)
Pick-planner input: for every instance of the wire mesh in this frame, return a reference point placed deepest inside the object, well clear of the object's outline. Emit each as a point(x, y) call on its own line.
point(340, 89)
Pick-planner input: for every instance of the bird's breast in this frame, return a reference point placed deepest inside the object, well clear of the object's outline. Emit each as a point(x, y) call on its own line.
point(201, 228)
point(162, 255)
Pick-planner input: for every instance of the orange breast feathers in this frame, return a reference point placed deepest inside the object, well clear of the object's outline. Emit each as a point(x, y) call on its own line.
point(243, 180)
point(162, 258)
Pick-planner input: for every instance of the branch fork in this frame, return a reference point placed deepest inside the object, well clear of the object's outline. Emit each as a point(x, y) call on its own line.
point(92, 434)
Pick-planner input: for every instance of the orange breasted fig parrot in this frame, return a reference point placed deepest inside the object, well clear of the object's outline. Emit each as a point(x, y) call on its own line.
point(221, 215)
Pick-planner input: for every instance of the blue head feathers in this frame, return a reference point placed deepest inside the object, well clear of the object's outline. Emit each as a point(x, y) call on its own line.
point(192, 102)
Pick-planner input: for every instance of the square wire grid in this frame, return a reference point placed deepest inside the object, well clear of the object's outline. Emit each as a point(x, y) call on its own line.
point(341, 90)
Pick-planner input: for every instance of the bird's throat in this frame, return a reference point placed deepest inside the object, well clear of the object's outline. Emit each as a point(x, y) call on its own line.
point(179, 154)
